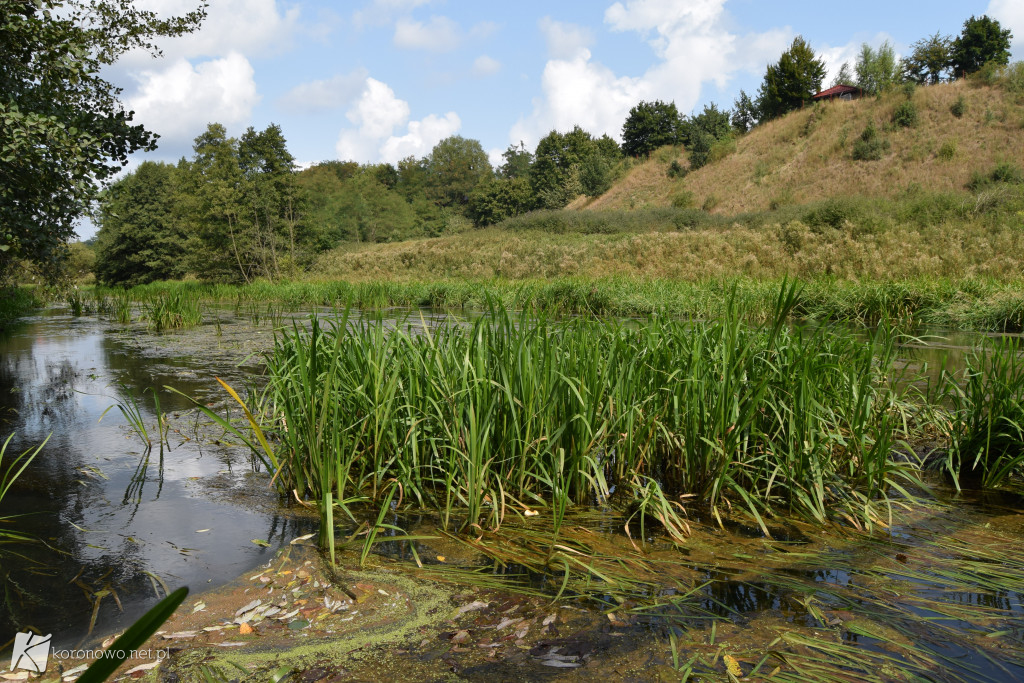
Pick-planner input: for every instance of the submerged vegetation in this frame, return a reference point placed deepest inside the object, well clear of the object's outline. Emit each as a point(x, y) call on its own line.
point(661, 417)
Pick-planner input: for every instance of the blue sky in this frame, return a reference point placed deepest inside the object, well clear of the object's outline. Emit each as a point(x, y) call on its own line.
point(378, 80)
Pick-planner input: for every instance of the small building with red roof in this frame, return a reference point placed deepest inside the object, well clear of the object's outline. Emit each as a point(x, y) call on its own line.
point(840, 92)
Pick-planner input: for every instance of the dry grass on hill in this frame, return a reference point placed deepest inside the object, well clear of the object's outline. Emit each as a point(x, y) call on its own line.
point(806, 156)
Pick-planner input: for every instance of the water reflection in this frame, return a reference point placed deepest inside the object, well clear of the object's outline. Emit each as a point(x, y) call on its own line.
point(110, 514)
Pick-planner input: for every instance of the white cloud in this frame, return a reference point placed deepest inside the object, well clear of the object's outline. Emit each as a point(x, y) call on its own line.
point(178, 101)
point(323, 95)
point(376, 116)
point(439, 34)
point(378, 111)
point(379, 12)
point(692, 40)
point(1010, 14)
point(421, 138)
point(565, 41)
point(486, 66)
point(249, 27)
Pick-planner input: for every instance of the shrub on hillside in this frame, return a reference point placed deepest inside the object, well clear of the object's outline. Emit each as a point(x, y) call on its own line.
point(959, 108)
point(701, 143)
point(870, 146)
point(1005, 172)
point(675, 170)
point(833, 213)
point(905, 115)
point(947, 151)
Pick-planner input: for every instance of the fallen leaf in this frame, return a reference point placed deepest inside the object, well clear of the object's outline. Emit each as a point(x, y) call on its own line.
point(261, 543)
point(301, 539)
point(733, 666)
point(244, 629)
point(471, 607)
point(460, 637)
point(440, 558)
point(252, 605)
point(201, 531)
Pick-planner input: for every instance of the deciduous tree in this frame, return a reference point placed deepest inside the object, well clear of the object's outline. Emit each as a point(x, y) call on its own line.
point(982, 40)
point(650, 125)
point(63, 130)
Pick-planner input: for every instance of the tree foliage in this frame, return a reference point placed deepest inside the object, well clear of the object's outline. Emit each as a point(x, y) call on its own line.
point(744, 113)
point(791, 81)
point(567, 165)
point(877, 70)
point(140, 237)
point(454, 167)
point(650, 125)
point(63, 131)
point(982, 40)
point(929, 60)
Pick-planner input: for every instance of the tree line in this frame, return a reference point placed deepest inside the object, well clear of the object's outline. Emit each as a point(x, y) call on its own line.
point(238, 209)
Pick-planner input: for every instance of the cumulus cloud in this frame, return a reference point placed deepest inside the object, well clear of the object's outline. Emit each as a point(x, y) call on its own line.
point(421, 137)
point(693, 42)
point(178, 100)
point(438, 34)
point(376, 116)
point(245, 26)
point(565, 41)
point(1010, 14)
point(486, 66)
point(324, 95)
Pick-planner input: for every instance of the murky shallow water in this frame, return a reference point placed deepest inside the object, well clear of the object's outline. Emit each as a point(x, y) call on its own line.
point(109, 511)
point(113, 517)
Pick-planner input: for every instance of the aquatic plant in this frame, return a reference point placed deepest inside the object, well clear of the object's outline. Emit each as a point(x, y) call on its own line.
point(173, 311)
point(10, 473)
point(985, 427)
point(514, 412)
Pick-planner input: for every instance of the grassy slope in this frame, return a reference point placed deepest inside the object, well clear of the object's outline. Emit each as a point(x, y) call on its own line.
point(806, 157)
point(907, 215)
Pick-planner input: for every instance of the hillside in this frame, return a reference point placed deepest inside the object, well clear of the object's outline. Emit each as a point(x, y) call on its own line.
point(806, 156)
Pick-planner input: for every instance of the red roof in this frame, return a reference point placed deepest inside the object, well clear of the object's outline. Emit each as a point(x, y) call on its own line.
point(836, 91)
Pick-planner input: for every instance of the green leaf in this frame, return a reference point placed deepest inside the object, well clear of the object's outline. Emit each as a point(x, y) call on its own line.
point(133, 638)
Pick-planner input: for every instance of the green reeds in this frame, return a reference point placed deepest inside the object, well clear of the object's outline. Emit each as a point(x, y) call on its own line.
point(8, 475)
point(516, 412)
point(985, 427)
point(173, 311)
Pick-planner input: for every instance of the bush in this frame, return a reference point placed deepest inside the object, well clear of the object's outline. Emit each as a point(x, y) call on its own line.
point(958, 108)
point(1005, 172)
point(869, 146)
point(683, 200)
point(675, 170)
point(701, 143)
point(947, 151)
point(833, 213)
point(905, 115)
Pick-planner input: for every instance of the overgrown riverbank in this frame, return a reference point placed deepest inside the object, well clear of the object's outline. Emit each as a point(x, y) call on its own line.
point(965, 303)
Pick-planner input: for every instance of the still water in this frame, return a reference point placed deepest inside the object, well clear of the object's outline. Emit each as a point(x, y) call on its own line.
point(113, 520)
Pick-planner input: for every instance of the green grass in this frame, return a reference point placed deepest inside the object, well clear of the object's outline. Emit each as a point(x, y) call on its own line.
point(517, 412)
point(967, 303)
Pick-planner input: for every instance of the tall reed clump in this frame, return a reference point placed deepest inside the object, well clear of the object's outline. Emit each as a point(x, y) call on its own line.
point(172, 311)
point(985, 427)
point(515, 412)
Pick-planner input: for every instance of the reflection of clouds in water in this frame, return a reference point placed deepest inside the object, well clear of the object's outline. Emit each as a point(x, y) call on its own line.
point(59, 375)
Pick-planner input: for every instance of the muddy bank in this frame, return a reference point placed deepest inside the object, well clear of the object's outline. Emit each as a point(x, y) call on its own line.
point(296, 616)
